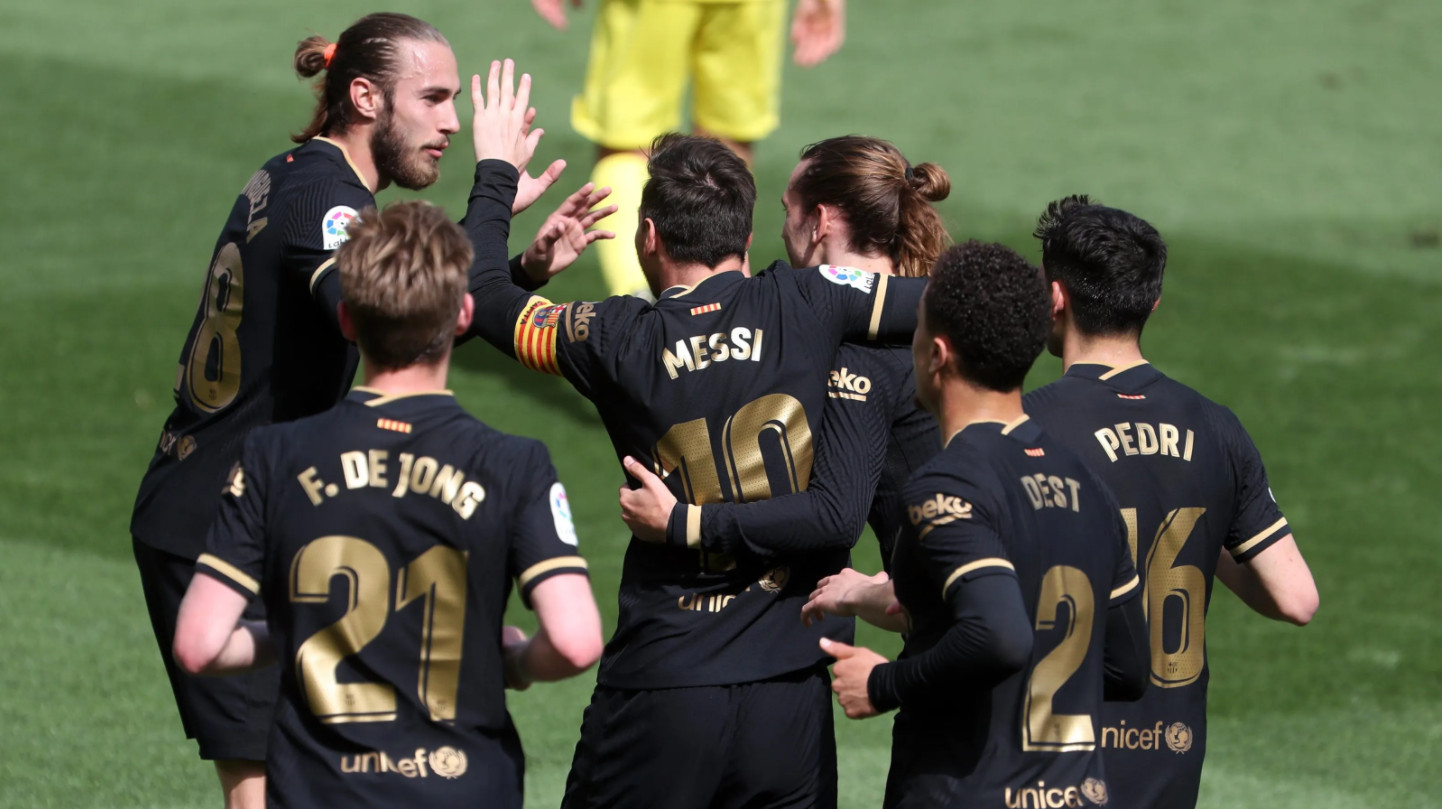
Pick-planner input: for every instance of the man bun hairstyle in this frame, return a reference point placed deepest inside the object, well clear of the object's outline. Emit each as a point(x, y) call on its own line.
point(993, 307)
point(886, 201)
point(370, 48)
point(403, 277)
point(700, 196)
point(1110, 261)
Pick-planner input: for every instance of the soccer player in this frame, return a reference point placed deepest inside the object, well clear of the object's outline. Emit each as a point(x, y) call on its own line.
point(1192, 487)
point(643, 55)
point(397, 490)
point(853, 202)
point(719, 386)
point(1018, 593)
point(265, 347)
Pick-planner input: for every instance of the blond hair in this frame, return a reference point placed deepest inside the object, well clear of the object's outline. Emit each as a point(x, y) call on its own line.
point(403, 278)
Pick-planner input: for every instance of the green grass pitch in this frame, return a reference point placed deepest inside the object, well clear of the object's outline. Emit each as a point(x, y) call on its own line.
point(1287, 150)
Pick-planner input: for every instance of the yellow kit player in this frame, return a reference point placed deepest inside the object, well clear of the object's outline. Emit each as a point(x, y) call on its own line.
point(643, 54)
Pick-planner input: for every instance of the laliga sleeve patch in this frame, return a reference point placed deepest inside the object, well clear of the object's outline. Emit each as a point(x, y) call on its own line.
point(561, 513)
point(848, 277)
point(333, 226)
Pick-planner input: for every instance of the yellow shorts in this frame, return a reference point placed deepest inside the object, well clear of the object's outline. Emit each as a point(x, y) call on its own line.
point(643, 52)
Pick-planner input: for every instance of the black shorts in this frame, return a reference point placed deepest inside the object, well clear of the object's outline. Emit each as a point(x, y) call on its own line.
point(230, 716)
point(757, 745)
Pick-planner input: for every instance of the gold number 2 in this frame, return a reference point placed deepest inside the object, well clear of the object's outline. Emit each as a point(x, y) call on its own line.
point(437, 577)
point(216, 338)
point(1178, 586)
point(1041, 728)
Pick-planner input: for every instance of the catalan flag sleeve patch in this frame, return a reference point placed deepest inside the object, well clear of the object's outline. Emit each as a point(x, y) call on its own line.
point(535, 335)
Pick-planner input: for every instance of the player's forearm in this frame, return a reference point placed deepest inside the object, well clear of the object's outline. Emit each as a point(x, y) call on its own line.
point(543, 659)
point(1276, 583)
point(808, 521)
point(1126, 656)
point(989, 639)
point(247, 647)
point(498, 298)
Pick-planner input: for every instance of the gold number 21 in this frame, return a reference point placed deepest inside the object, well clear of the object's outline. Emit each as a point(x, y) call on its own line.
point(436, 577)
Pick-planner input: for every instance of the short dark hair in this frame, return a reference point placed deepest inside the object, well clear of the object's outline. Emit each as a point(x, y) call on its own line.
point(993, 306)
point(1110, 262)
point(700, 196)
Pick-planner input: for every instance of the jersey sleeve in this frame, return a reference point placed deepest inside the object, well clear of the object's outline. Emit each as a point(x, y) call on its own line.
point(956, 531)
point(850, 451)
point(1258, 523)
point(567, 339)
point(543, 540)
point(235, 548)
point(857, 305)
point(315, 227)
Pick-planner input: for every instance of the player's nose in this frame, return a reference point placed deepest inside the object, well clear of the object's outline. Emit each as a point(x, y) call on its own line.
point(449, 124)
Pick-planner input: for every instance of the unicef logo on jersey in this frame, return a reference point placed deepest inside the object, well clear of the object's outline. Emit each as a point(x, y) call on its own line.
point(848, 277)
point(333, 226)
point(561, 514)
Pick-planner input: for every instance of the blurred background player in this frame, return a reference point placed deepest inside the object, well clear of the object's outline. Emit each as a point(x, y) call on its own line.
point(265, 345)
point(643, 55)
point(1192, 486)
point(1018, 595)
point(854, 202)
point(393, 702)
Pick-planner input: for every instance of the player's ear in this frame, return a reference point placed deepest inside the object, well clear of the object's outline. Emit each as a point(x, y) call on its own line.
point(366, 98)
point(647, 242)
point(1058, 300)
point(940, 357)
point(1156, 303)
point(467, 314)
point(347, 325)
point(823, 224)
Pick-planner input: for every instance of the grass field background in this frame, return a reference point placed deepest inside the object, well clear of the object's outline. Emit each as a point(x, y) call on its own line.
point(1289, 152)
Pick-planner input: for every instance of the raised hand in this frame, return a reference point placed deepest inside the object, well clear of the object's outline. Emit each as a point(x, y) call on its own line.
point(565, 234)
point(849, 676)
point(646, 510)
point(501, 127)
point(817, 30)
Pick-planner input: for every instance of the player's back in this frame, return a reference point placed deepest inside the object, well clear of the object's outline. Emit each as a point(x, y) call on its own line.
point(260, 349)
point(1031, 739)
point(1189, 483)
point(392, 528)
point(718, 387)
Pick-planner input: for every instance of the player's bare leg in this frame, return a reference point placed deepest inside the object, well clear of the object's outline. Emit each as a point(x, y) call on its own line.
point(624, 171)
point(243, 783)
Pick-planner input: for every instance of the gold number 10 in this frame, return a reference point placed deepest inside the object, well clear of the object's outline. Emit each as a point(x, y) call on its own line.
point(686, 448)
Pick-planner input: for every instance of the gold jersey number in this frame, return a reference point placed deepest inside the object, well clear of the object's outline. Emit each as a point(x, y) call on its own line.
point(212, 367)
point(436, 578)
point(1043, 728)
point(1170, 586)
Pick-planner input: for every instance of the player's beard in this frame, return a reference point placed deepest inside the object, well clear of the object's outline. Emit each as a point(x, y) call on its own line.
point(407, 167)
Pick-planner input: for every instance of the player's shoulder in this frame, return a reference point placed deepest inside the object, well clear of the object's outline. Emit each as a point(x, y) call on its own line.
point(957, 468)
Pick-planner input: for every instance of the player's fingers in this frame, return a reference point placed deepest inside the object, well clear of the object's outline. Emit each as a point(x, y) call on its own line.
point(553, 171)
point(478, 99)
point(508, 85)
point(592, 217)
point(593, 236)
point(523, 93)
point(837, 649)
point(894, 608)
point(493, 85)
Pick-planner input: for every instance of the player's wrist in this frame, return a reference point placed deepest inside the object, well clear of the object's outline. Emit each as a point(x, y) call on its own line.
point(677, 527)
point(881, 688)
point(518, 677)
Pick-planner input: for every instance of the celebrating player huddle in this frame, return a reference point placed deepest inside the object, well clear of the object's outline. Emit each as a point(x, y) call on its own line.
point(1048, 559)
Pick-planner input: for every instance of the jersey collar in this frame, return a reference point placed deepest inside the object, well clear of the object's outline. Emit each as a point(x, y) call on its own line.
point(360, 178)
point(370, 397)
point(1131, 376)
point(1023, 428)
point(714, 283)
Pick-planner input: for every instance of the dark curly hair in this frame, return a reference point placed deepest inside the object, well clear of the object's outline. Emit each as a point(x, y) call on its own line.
point(1110, 262)
point(701, 198)
point(993, 306)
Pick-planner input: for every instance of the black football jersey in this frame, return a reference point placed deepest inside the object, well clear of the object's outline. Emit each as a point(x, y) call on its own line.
point(264, 346)
point(383, 537)
point(718, 388)
point(874, 436)
point(1006, 499)
point(1190, 483)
